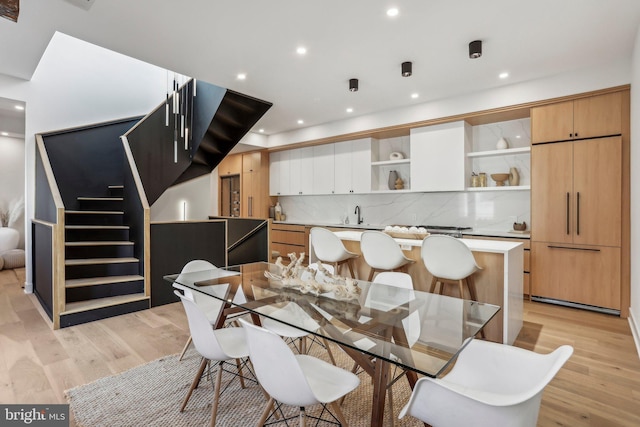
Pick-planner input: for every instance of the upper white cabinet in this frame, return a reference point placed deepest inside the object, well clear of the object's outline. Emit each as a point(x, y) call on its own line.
point(438, 157)
point(323, 169)
point(301, 171)
point(279, 173)
point(352, 166)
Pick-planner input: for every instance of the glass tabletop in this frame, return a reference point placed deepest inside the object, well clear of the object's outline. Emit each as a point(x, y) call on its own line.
point(416, 330)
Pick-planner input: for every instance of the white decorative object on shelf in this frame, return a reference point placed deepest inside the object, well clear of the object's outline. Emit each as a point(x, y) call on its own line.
point(502, 144)
point(396, 155)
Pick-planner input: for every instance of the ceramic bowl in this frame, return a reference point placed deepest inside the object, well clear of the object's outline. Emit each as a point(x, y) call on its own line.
point(500, 178)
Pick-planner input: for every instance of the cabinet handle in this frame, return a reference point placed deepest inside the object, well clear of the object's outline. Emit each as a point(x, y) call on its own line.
point(578, 213)
point(570, 135)
point(573, 249)
point(567, 213)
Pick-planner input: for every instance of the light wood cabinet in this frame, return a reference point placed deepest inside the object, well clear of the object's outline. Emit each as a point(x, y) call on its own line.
point(288, 238)
point(582, 274)
point(230, 165)
point(576, 212)
point(577, 192)
point(254, 185)
point(594, 116)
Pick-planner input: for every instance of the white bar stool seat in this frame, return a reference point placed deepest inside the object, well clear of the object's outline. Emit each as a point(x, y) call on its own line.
point(381, 252)
point(329, 249)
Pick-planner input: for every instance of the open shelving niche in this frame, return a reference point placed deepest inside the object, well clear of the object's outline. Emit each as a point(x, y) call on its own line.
point(381, 165)
point(484, 156)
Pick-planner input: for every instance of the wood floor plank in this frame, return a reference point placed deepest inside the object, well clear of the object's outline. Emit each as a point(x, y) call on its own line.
point(598, 387)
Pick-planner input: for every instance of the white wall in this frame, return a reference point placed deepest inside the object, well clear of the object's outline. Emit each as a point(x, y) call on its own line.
point(194, 195)
point(634, 318)
point(12, 181)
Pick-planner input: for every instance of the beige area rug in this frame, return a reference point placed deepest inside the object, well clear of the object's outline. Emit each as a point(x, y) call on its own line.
point(151, 394)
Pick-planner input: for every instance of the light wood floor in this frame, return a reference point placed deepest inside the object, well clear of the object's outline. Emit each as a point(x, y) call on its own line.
point(599, 385)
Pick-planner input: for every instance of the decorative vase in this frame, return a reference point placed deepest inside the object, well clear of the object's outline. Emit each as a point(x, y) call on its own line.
point(393, 176)
point(514, 177)
point(502, 144)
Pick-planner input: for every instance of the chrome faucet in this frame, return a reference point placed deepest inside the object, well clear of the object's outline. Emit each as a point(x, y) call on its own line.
point(357, 211)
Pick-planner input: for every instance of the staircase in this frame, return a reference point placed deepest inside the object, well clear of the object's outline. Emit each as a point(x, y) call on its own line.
point(102, 276)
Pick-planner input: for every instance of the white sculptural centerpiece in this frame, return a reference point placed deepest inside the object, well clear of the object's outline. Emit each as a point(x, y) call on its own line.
point(309, 280)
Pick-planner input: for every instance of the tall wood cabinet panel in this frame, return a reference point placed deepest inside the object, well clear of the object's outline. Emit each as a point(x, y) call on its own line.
point(253, 182)
point(594, 116)
point(230, 165)
point(576, 211)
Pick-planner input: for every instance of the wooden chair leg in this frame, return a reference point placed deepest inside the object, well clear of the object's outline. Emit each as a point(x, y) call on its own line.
point(350, 265)
point(390, 403)
point(303, 418)
point(338, 413)
point(240, 374)
point(434, 283)
point(326, 344)
point(371, 273)
point(472, 288)
point(461, 287)
point(216, 395)
point(265, 412)
point(186, 346)
point(194, 384)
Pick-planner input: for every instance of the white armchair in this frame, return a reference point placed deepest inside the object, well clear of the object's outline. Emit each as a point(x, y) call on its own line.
point(490, 385)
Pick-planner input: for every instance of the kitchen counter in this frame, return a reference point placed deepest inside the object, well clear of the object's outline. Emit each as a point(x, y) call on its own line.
point(499, 282)
point(476, 232)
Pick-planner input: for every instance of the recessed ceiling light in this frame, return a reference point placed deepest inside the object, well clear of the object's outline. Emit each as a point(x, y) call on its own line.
point(260, 130)
point(4, 134)
point(518, 136)
point(242, 76)
point(349, 110)
point(300, 122)
point(503, 75)
point(392, 12)
point(415, 95)
point(301, 50)
point(19, 107)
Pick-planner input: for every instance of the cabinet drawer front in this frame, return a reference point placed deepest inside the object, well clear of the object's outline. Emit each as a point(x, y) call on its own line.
point(288, 237)
point(285, 250)
point(583, 274)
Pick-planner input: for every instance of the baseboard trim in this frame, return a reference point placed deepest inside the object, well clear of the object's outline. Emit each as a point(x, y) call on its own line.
point(28, 287)
point(635, 331)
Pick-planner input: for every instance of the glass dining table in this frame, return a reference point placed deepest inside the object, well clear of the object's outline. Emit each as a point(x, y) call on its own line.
point(377, 325)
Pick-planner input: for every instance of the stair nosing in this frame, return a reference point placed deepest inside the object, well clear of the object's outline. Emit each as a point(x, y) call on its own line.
point(99, 243)
point(94, 261)
point(96, 281)
point(107, 302)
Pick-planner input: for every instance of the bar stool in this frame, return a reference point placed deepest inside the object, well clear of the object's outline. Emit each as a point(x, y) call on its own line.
point(449, 261)
point(381, 252)
point(329, 249)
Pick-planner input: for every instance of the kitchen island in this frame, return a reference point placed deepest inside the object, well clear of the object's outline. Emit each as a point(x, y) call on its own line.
point(499, 282)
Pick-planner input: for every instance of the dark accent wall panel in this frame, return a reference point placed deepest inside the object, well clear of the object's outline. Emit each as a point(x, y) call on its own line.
point(42, 265)
point(134, 216)
point(176, 243)
point(255, 248)
point(86, 160)
point(45, 208)
point(237, 228)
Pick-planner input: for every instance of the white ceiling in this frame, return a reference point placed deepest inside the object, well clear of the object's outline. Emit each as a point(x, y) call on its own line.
point(216, 40)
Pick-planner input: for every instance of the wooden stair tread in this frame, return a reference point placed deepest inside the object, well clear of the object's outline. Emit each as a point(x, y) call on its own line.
point(97, 227)
point(93, 281)
point(100, 243)
point(91, 261)
point(96, 212)
point(101, 198)
point(80, 306)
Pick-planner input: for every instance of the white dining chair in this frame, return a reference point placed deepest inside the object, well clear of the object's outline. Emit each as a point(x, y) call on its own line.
point(292, 379)
point(490, 385)
point(207, 304)
point(381, 252)
point(329, 249)
point(217, 345)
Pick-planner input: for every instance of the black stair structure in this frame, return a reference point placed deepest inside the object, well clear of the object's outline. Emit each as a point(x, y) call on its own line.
point(96, 183)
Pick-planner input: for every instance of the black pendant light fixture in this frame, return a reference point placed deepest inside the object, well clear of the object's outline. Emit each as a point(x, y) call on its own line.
point(475, 49)
point(353, 85)
point(406, 69)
